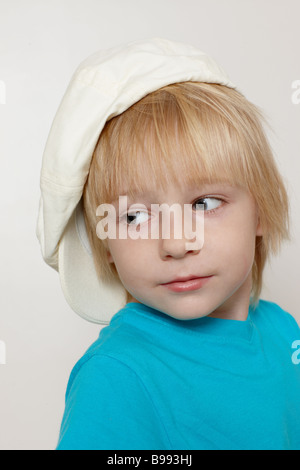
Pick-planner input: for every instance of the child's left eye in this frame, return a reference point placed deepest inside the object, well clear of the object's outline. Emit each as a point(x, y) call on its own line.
point(208, 203)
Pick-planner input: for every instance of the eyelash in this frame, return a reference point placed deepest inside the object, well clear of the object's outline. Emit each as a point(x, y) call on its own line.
point(207, 212)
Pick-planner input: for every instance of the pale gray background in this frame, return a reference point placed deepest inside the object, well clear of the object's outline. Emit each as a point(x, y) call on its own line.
point(41, 43)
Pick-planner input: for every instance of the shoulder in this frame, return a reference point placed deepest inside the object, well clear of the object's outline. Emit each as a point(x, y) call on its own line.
point(108, 407)
point(270, 313)
point(95, 373)
point(271, 308)
point(119, 348)
point(108, 404)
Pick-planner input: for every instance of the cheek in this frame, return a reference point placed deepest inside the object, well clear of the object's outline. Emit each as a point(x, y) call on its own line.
point(244, 255)
point(232, 244)
point(116, 254)
point(247, 259)
point(128, 257)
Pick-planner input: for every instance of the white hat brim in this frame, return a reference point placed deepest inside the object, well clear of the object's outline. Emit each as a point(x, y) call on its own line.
point(90, 298)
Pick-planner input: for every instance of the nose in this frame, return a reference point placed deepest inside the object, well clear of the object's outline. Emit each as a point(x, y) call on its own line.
point(172, 248)
point(176, 245)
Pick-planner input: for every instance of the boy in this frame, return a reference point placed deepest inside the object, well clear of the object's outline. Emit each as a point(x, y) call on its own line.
point(192, 359)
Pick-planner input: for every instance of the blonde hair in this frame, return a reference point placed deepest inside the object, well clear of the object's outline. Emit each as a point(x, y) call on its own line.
point(188, 133)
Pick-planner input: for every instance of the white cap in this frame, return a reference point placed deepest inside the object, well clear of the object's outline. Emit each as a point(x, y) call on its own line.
point(103, 86)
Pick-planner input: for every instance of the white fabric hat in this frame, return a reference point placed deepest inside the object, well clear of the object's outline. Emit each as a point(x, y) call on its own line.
point(103, 86)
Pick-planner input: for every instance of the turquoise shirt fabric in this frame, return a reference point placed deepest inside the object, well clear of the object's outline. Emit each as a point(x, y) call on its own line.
point(154, 382)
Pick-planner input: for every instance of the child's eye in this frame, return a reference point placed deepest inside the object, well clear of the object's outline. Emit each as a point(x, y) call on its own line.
point(208, 203)
point(137, 218)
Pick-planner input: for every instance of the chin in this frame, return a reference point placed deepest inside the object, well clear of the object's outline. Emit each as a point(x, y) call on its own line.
point(187, 312)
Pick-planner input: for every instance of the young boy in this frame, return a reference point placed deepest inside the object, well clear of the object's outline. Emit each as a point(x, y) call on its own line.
point(191, 357)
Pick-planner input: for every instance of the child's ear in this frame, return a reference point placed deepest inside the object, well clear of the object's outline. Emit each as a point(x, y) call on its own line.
point(109, 257)
point(259, 231)
point(108, 254)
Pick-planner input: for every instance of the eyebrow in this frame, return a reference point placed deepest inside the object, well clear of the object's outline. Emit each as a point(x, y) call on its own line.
point(146, 195)
point(149, 195)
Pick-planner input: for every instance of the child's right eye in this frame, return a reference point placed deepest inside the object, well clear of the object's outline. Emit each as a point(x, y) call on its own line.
point(137, 218)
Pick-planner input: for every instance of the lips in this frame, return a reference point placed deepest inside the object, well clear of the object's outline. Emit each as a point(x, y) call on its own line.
point(185, 279)
point(185, 284)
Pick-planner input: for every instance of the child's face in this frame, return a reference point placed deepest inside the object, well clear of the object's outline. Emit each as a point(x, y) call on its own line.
point(231, 225)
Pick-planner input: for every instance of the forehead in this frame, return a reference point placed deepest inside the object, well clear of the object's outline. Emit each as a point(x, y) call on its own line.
point(152, 169)
point(150, 178)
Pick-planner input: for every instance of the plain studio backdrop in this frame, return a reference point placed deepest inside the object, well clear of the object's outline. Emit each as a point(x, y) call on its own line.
point(41, 44)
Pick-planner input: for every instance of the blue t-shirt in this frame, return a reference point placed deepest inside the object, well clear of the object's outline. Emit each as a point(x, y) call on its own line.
point(153, 382)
